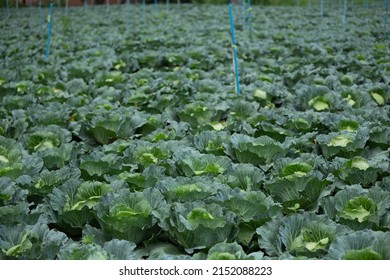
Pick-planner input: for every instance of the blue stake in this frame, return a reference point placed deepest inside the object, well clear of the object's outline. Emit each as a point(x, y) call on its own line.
point(31, 11)
point(129, 16)
point(234, 48)
point(322, 8)
point(85, 5)
point(40, 13)
point(250, 20)
point(107, 4)
point(167, 4)
point(49, 30)
point(367, 4)
point(345, 15)
point(66, 7)
point(155, 7)
point(385, 19)
point(143, 11)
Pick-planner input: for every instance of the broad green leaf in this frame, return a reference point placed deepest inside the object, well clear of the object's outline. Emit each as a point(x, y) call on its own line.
point(24, 245)
point(181, 190)
point(297, 169)
point(363, 254)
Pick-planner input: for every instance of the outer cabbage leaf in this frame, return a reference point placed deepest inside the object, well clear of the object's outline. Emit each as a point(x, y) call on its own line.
point(48, 180)
point(244, 176)
point(83, 251)
point(211, 142)
point(74, 203)
point(196, 114)
point(182, 189)
point(121, 250)
point(129, 216)
point(296, 192)
point(10, 193)
point(147, 179)
point(253, 209)
point(15, 162)
point(358, 208)
point(98, 164)
point(107, 129)
point(47, 138)
point(15, 213)
point(196, 225)
point(306, 234)
point(361, 245)
point(191, 162)
point(257, 151)
point(165, 251)
point(231, 251)
point(343, 143)
point(31, 241)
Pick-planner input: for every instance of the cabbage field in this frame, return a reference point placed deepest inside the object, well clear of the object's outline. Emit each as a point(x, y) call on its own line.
point(130, 142)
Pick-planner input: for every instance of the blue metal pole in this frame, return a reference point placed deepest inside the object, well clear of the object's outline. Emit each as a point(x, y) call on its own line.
point(155, 7)
point(234, 47)
point(49, 30)
point(129, 16)
point(322, 8)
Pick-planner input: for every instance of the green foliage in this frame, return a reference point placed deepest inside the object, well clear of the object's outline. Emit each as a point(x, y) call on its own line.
point(134, 145)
